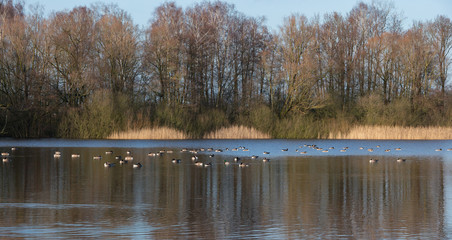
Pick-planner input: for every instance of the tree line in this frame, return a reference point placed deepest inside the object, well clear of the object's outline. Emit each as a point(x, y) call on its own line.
point(89, 71)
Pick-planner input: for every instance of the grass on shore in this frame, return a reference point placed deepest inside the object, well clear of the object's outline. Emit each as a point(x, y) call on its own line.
point(237, 132)
point(150, 133)
point(395, 133)
point(242, 132)
point(234, 132)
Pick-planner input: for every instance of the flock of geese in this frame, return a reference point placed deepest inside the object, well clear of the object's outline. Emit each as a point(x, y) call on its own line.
point(399, 160)
point(128, 158)
point(6, 156)
point(197, 162)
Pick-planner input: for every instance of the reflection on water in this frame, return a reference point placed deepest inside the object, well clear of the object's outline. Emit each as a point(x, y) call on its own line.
point(292, 196)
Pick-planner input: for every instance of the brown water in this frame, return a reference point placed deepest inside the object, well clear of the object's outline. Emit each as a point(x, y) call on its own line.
point(318, 195)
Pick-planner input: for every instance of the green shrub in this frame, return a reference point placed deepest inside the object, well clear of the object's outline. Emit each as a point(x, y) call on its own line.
point(172, 116)
point(209, 121)
point(98, 118)
point(260, 117)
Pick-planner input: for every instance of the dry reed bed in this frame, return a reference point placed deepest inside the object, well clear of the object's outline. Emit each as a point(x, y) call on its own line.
point(395, 133)
point(237, 132)
point(150, 133)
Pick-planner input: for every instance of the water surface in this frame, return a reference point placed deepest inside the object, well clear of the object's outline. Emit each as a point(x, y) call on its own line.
point(321, 194)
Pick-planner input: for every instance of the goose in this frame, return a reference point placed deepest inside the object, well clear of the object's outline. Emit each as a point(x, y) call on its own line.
point(194, 158)
point(285, 149)
point(199, 164)
point(109, 152)
point(236, 159)
point(5, 154)
point(438, 149)
point(57, 154)
point(243, 165)
point(137, 165)
point(398, 149)
point(304, 152)
point(128, 158)
point(128, 152)
point(265, 160)
point(401, 160)
point(123, 161)
point(97, 157)
point(75, 155)
point(208, 164)
point(211, 155)
point(108, 164)
point(373, 160)
point(5, 160)
point(175, 161)
point(226, 163)
point(254, 157)
point(13, 149)
point(118, 157)
point(266, 152)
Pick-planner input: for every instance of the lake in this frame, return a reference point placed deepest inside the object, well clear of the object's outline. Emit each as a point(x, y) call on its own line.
point(321, 189)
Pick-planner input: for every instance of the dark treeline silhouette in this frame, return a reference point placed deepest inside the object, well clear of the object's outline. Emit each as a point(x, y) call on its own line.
point(87, 72)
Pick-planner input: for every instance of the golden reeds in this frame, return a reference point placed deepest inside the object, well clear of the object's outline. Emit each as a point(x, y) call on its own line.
point(237, 132)
point(150, 133)
point(396, 133)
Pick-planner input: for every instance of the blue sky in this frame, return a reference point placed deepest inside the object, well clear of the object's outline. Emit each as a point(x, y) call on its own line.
point(273, 10)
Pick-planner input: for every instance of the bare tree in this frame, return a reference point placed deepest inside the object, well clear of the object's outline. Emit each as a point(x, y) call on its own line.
point(72, 40)
point(117, 48)
point(417, 63)
point(298, 65)
point(440, 38)
point(163, 53)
